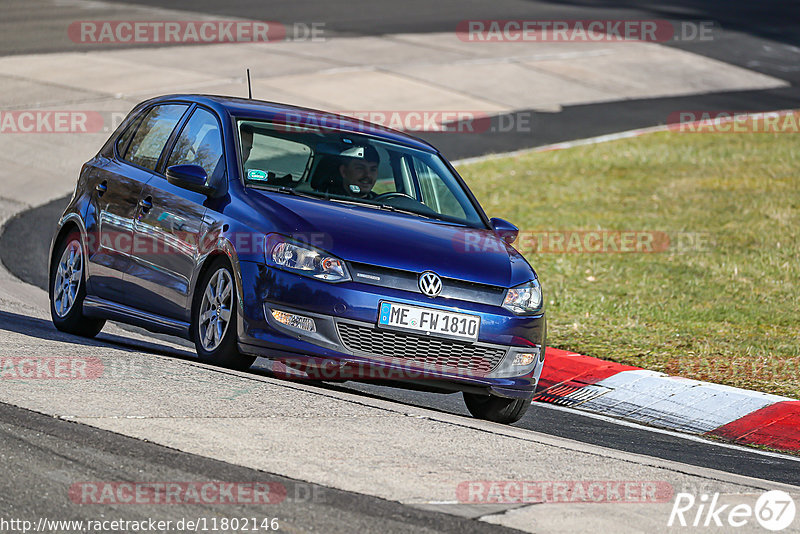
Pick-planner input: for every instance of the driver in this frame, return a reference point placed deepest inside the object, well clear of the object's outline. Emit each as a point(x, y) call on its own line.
point(357, 173)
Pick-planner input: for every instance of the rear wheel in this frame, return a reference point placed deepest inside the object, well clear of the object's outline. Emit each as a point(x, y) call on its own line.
point(214, 313)
point(494, 408)
point(68, 289)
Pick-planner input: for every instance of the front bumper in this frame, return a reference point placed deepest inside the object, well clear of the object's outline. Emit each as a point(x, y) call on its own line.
point(347, 345)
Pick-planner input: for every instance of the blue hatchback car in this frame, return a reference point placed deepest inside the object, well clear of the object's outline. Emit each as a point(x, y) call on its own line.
point(337, 248)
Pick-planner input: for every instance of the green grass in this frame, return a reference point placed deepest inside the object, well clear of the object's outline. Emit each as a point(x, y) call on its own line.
point(728, 313)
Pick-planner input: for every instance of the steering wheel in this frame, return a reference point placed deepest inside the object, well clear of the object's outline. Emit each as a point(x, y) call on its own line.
point(392, 194)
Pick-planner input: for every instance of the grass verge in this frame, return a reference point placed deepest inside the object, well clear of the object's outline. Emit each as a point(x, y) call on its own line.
point(717, 299)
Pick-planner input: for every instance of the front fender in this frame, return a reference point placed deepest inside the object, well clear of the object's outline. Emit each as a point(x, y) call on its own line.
point(222, 246)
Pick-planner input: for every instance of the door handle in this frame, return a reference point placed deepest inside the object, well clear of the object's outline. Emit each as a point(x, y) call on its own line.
point(146, 204)
point(101, 188)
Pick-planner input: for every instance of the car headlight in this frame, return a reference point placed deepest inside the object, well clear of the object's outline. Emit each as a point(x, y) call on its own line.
point(305, 260)
point(524, 299)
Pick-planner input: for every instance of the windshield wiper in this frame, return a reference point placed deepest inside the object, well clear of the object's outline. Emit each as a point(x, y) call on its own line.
point(386, 207)
point(328, 196)
point(395, 209)
point(286, 190)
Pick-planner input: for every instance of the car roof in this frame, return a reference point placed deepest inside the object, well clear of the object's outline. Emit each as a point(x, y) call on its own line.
point(284, 113)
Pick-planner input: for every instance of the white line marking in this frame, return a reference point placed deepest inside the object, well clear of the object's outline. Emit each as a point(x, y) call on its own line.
point(561, 146)
point(597, 140)
point(673, 433)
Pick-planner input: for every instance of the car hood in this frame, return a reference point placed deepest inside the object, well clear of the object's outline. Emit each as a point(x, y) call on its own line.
point(395, 240)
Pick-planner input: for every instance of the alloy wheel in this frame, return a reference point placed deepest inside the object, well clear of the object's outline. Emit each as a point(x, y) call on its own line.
point(215, 309)
point(68, 278)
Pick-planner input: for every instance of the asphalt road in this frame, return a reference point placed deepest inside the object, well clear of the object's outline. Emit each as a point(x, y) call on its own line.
point(747, 33)
point(44, 458)
point(574, 425)
point(762, 36)
point(775, 20)
point(30, 233)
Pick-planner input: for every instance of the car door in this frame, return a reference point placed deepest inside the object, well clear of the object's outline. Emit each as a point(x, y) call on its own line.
point(170, 226)
point(118, 183)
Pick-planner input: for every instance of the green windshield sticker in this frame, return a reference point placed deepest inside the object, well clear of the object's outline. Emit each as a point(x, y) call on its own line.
point(255, 174)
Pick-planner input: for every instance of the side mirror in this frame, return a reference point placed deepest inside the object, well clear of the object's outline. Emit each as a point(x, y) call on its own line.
point(507, 231)
point(191, 177)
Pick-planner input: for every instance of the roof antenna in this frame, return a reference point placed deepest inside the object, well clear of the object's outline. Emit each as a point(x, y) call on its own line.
point(249, 87)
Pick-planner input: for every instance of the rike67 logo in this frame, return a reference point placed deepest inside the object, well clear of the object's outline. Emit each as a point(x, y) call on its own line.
point(774, 510)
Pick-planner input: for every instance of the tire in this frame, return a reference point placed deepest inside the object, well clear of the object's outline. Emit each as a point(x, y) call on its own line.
point(67, 289)
point(214, 318)
point(496, 409)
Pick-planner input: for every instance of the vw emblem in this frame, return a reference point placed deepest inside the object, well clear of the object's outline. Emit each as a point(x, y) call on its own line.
point(430, 284)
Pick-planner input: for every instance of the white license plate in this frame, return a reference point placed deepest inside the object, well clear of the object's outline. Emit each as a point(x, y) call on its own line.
point(429, 321)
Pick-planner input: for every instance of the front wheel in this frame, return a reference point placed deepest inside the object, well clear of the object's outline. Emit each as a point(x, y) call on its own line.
point(214, 324)
point(67, 289)
point(496, 409)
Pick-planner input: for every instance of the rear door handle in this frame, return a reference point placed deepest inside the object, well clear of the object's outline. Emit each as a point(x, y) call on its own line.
point(101, 188)
point(146, 204)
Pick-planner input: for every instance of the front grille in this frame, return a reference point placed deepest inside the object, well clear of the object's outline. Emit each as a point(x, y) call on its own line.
point(408, 281)
point(443, 354)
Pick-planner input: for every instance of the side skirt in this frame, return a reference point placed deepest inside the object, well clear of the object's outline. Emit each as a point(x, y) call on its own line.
point(106, 309)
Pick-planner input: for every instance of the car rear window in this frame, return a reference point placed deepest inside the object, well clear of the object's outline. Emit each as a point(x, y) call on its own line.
point(152, 134)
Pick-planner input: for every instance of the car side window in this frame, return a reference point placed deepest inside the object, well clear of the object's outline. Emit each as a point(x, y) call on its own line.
point(271, 160)
point(152, 134)
point(435, 192)
point(200, 143)
point(124, 139)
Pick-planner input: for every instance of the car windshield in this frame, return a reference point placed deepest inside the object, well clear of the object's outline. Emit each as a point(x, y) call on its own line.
point(353, 168)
